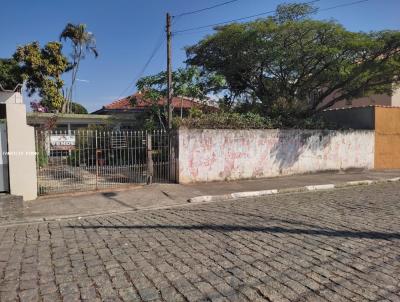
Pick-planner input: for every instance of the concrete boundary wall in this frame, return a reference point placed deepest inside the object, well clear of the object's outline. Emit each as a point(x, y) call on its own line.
point(217, 155)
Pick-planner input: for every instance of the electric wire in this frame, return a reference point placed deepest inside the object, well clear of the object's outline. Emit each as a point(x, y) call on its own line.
point(178, 32)
point(204, 9)
point(157, 47)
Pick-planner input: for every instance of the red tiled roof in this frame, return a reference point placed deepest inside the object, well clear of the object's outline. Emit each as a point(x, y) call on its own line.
point(141, 103)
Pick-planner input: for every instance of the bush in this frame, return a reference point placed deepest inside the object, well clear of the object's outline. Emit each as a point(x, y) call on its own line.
point(225, 120)
point(233, 120)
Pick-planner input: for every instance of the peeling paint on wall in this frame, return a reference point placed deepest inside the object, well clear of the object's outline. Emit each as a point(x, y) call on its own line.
point(216, 155)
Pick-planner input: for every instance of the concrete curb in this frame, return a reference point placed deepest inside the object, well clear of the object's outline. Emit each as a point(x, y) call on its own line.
point(312, 188)
point(202, 199)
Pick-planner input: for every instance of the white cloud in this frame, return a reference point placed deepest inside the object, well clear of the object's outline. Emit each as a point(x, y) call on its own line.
point(84, 81)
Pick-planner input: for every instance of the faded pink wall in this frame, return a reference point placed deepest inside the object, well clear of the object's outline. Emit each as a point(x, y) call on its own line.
point(216, 155)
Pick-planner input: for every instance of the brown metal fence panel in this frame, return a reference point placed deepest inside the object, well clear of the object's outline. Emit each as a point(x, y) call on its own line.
point(84, 160)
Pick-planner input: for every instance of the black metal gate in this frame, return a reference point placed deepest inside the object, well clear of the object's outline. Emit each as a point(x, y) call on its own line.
point(83, 160)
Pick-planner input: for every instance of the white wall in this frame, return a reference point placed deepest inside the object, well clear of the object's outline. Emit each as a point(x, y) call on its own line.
point(21, 148)
point(396, 98)
point(216, 155)
point(11, 97)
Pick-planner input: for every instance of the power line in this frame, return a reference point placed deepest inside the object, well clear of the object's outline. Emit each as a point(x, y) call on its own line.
point(343, 5)
point(157, 47)
point(221, 23)
point(233, 20)
point(205, 9)
point(262, 14)
point(202, 31)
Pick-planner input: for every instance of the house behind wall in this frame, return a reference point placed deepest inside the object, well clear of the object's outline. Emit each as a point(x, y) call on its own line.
point(371, 100)
point(385, 121)
point(66, 122)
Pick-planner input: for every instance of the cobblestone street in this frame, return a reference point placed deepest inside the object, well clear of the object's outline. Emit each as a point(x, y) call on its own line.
point(340, 245)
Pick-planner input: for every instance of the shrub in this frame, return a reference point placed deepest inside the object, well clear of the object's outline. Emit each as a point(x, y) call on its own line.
point(225, 120)
point(233, 120)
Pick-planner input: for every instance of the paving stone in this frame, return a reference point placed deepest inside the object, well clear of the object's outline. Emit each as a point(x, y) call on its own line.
point(29, 295)
point(128, 294)
point(341, 245)
point(148, 294)
point(50, 297)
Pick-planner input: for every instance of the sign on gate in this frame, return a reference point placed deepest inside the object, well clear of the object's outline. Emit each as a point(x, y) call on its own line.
point(102, 159)
point(62, 142)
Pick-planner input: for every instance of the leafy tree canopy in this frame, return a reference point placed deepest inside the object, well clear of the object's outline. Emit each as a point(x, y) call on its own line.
point(10, 74)
point(293, 63)
point(189, 82)
point(78, 108)
point(83, 43)
point(38, 106)
point(42, 69)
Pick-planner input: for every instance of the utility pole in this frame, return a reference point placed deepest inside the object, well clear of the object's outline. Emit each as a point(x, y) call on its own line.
point(171, 136)
point(169, 71)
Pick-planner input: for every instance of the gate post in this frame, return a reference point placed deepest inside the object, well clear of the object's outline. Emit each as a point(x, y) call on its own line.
point(172, 155)
point(150, 167)
point(21, 146)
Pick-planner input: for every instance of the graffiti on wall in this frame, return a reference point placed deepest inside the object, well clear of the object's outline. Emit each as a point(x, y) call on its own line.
point(214, 155)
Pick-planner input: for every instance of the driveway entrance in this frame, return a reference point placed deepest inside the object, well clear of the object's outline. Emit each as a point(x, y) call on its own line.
point(83, 160)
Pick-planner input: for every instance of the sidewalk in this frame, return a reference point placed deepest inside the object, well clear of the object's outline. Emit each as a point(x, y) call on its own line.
point(165, 195)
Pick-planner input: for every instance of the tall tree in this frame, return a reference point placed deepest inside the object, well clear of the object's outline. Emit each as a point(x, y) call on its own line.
point(42, 69)
point(293, 62)
point(10, 74)
point(188, 82)
point(83, 42)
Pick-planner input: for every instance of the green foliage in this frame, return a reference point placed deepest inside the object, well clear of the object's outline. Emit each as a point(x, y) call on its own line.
point(195, 113)
point(150, 124)
point(235, 120)
point(299, 60)
point(99, 128)
point(225, 120)
point(42, 69)
point(293, 12)
point(188, 82)
point(78, 108)
point(10, 74)
point(83, 42)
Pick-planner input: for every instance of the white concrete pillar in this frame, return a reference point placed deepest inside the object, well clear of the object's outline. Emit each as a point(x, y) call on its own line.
point(21, 147)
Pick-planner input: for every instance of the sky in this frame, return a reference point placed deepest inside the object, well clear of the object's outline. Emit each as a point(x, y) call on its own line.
point(127, 32)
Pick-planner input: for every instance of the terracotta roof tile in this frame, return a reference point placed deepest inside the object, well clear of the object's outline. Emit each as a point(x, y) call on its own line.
point(141, 103)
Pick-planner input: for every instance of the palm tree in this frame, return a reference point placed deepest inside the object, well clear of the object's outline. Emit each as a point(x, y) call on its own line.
point(83, 42)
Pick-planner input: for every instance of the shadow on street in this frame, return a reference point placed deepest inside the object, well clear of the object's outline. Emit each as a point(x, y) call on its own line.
point(234, 228)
